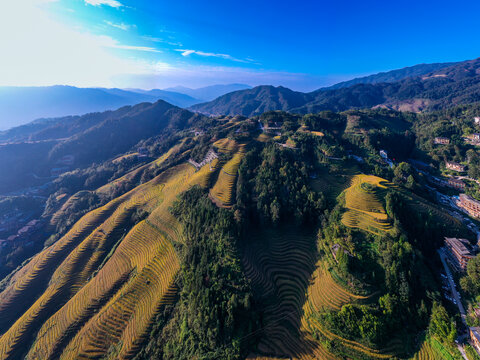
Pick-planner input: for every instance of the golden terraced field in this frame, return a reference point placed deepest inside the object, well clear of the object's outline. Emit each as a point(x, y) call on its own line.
point(87, 301)
point(364, 205)
point(222, 192)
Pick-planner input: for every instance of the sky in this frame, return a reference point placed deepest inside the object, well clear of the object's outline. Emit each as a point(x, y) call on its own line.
point(303, 45)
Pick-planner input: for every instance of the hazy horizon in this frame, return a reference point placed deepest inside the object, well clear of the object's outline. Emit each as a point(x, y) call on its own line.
point(127, 44)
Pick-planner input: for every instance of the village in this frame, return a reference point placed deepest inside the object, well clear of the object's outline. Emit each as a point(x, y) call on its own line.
point(456, 252)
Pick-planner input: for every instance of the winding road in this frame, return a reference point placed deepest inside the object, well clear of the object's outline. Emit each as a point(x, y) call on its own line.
point(456, 297)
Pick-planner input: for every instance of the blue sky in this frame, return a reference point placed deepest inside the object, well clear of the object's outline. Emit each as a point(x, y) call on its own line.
point(156, 44)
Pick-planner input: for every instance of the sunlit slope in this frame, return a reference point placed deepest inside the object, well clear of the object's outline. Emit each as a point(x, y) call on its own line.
point(222, 191)
point(133, 282)
point(226, 145)
point(136, 173)
point(427, 352)
point(363, 201)
point(33, 278)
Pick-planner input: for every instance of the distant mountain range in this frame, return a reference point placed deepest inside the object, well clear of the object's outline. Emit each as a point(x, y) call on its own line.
point(20, 105)
point(415, 88)
point(446, 86)
point(209, 93)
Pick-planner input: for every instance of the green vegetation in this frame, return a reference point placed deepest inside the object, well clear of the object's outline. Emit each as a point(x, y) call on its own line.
point(214, 310)
point(314, 250)
point(471, 352)
point(470, 283)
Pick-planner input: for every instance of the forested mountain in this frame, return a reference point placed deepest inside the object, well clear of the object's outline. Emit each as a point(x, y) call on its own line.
point(89, 138)
point(254, 101)
point(230, 240)
point(20, 105)
point(392, 76)
point(445, 87)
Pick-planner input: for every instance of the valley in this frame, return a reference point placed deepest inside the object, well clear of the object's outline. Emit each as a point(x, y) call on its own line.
point(170, 234)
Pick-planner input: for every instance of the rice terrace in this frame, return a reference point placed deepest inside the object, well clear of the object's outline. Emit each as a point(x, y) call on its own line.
point(212, 182)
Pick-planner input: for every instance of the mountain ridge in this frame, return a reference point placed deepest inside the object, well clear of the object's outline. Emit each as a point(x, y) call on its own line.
point(208, 93)
point(449, 86)
point(61, 100)
point(392, 75)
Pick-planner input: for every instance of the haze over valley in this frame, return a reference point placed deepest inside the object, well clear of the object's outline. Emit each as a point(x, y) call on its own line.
point(226, 181)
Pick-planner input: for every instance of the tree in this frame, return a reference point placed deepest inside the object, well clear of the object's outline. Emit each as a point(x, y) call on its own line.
point(471, 281)
point(441, 325)
point(403, 171)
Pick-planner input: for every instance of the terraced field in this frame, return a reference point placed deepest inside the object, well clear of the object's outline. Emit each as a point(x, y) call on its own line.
point(101, 285)
point(204, 175)
point(135, 174)
point(295, 288)
point(222, 191)
point(280, 265)
point(427, 352)
point(263, 137)
point(125, 157)
point(423, 206)
point(226, 145)
point(363, 201)
point(71, 200)
point(324, 292)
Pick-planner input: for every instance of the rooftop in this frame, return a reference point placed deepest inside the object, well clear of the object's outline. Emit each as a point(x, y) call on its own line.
point(465, 197)
point(475, 332)
point(460, 245)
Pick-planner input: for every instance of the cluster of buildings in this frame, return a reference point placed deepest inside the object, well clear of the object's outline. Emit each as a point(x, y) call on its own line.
point(211, 155)
point(451, 165)
point(469, 205)
point(384, 156)
point(441, 141)
point(475, 336)
point(459, 253)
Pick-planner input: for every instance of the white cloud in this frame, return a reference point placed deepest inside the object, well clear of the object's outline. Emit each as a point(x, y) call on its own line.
point(112, 3)
point(160, 40)
point(186, 52)
point(37, 50)
point(120, 26)
point(136, 48)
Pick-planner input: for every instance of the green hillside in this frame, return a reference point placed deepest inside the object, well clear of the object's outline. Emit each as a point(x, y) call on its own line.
point(228, 241)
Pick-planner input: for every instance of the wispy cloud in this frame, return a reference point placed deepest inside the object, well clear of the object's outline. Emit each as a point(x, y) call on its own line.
point(112, 3)
point(160, 40)
point(188, 52)
point(109, 42)
point(137, 48)
point(120, 26)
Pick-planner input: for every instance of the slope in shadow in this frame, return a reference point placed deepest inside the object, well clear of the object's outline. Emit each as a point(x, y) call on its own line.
point(279, 264)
